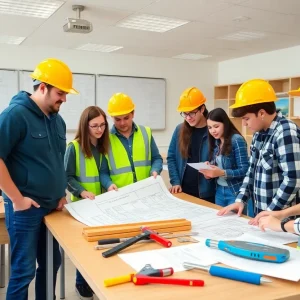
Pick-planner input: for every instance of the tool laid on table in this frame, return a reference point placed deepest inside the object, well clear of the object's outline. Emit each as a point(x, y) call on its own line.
point(150, 275)
point(109, 246)
point(165, 235)
point(187, 240)
point(142, 280)
point(250, 250)
point(228, 273)
point(147, 233)
point(147, 270)
point(106, 243)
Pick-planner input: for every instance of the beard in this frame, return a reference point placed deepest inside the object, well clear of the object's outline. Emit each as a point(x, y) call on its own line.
point(54, 109)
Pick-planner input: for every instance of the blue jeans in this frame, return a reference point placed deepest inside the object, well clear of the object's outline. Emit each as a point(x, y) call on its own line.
point(250, 208)
point(27, 233)
point(79, 278)
point(224, 196)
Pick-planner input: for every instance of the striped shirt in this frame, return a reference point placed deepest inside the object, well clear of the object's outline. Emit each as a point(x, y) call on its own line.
point(273, 178)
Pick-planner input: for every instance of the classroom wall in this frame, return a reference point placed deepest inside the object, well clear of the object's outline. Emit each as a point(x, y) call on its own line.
point(274, 64)
point(179, 74)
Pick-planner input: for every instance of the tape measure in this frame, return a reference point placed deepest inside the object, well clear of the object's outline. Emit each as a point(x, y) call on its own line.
point(250, 250)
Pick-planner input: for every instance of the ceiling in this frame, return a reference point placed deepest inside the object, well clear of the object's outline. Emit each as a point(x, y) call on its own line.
point(279, 20)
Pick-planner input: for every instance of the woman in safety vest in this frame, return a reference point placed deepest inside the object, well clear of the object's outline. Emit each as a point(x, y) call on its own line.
point(83, 162)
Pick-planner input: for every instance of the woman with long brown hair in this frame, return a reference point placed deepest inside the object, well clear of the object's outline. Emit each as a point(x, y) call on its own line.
point(227, 155)
point(83, 163)
point(189, 144)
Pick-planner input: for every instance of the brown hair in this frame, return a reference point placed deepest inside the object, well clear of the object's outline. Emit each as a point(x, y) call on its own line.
point(36, 86)
point(82, 134)
point(219, 115)
point(239, 112)
point(185, 134)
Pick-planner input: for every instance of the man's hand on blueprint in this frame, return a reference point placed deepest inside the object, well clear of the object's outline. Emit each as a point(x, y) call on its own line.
point(113, 187)
point(154, 174)
point(87, 195)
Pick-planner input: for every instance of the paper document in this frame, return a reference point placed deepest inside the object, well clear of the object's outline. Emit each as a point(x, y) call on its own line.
point(150, 200)
point(146, 200)
point(232, 227)
point(171, 257)
point(200, 166)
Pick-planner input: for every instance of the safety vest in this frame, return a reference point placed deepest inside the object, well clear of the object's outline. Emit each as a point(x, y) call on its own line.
point(87, 173)
point(119, 165)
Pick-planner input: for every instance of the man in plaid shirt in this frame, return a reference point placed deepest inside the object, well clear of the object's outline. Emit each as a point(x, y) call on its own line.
point(273, 178)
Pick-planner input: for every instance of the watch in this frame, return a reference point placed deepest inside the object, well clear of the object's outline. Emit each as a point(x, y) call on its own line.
point(283, 222)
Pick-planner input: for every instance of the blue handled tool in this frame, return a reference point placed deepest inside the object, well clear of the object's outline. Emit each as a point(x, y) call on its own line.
point(233, 274)
point(249, 250)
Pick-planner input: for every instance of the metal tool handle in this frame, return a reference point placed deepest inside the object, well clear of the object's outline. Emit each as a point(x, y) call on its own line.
point(142, 279)
point(234, 274)
point(109, 241)
point(123, 245)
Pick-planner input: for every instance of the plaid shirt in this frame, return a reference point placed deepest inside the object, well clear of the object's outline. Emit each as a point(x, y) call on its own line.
point(273, 178)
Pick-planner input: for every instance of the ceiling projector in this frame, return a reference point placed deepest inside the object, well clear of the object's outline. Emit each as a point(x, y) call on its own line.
point(77, 25)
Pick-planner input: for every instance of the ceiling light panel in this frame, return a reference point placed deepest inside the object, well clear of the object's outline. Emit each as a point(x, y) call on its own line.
point(98, 47)
point(243, 36)
point(30, 8)
point(192, 56)
point(11, 40)
point(151, 23)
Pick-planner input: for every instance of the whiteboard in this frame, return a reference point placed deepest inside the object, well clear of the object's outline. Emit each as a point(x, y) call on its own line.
point(25, 81)
point(148, 95)
point(8, 87)
point(72, 109)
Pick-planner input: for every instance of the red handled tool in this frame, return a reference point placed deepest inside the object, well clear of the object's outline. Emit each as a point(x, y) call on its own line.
point(140, 279)
point(148, 270)
point(147, 233)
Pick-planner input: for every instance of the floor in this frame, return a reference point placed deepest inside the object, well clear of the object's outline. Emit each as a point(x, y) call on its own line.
point(70, 293)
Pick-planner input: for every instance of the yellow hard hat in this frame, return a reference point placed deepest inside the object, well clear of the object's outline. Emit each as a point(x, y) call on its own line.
point(55, 73)
point(294, 92)
point(254, 91)
point(120, 104)
point(190, 99)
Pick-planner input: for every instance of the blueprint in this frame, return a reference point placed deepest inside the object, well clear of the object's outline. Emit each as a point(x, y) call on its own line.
point(150, 200)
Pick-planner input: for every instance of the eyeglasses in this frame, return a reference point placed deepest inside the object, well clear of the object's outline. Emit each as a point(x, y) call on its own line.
point(101, 126)
point(190, 114)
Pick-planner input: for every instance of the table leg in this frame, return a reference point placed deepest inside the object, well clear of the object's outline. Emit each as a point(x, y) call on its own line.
point(9, 260)
point(62, 273)
point(49, 265)
point(2, 266)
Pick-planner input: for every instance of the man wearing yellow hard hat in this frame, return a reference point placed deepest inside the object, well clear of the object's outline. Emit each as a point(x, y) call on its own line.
point(33, 179)
point(189, 144)
point(273, 178)
point(133, 154)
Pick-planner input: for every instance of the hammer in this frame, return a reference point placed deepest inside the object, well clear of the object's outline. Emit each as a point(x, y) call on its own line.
point(147, 233)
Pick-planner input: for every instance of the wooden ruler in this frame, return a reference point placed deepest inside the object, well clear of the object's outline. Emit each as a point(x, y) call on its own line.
point(128, 230)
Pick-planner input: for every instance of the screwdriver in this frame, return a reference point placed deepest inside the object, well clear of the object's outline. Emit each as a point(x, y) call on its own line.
point(228, 273)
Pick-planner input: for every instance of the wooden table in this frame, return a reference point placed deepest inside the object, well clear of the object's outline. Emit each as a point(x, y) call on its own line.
point(95, 269)
point(4, 239)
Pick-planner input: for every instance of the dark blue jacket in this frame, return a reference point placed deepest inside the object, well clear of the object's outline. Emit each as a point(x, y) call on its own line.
point(32, 148)
point(236, 164)
point(177, 165)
